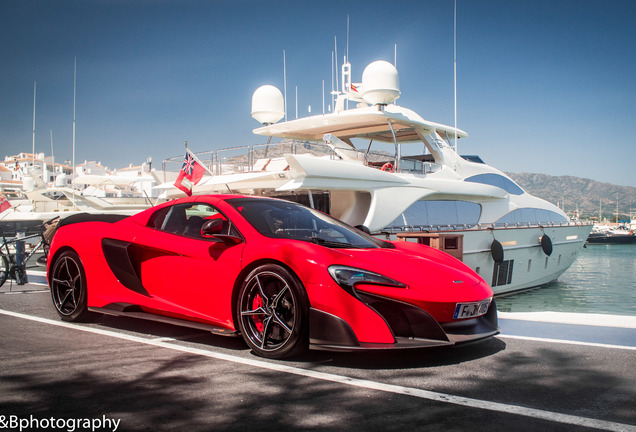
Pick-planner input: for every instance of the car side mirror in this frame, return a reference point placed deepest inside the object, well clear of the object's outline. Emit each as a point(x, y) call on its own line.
point(211, 228)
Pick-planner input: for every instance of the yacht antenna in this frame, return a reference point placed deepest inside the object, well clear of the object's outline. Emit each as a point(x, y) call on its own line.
point(336, 57)
point(332, 80)
point(285, 83)
point(296, 102)
point(455, 73)
point(395, 56)
point(346, 61)
point(395, 61)
point(323, 96)
point(347, 36)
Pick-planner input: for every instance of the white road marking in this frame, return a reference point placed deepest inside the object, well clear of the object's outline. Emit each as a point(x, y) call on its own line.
point(589, 319)
point(568, 342)
point(24, 292)
point(354, 382)
point(180, 338)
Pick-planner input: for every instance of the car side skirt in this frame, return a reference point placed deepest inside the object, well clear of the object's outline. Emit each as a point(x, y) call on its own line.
point(134, 311)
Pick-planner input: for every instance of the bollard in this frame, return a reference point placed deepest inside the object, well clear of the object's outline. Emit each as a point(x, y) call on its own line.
point(20, 272)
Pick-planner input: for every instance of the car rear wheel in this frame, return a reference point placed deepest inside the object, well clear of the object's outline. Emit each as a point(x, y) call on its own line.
point(272, 312)
point(68, 288)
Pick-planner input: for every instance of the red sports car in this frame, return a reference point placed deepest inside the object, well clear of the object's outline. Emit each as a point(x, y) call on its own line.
point(282, 275)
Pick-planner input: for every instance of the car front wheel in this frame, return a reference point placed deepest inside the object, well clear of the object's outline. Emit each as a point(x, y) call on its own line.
point(68, 288)
point(272, 312)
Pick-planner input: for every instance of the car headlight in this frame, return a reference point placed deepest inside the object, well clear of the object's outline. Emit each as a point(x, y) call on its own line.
point(348, 277)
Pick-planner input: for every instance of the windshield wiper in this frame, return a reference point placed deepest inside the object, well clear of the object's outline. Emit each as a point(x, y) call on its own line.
point(329, 243)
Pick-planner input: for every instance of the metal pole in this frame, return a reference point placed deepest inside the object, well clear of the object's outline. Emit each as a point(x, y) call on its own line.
point(398, 156)
point(74, 96)
point(33, 154)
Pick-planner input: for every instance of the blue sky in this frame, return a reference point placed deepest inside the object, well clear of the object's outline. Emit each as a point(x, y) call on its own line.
point(544, 86)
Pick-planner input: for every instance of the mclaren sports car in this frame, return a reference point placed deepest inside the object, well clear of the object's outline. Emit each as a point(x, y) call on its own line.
point(282, 276)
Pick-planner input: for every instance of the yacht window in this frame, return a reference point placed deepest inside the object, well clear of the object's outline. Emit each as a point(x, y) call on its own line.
point(497, 181)
point(533, 216)
point(422, 213)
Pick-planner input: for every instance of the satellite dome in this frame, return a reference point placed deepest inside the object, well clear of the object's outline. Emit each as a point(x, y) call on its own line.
point(380, 83)
point(28, 184)
point(60, 180)
point(268, 105)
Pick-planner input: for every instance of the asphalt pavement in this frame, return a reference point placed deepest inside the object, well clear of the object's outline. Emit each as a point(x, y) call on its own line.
point(130, 375)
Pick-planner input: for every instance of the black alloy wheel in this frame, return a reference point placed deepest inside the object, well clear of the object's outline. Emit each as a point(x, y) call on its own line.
point(68, 288)
point(273, 312)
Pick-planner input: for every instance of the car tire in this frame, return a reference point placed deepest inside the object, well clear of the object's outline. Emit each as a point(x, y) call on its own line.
point(272, 311)
point(68, 288)
point(4, 268)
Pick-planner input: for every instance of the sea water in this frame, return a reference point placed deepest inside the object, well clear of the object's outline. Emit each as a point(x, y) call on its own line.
point(602, 280)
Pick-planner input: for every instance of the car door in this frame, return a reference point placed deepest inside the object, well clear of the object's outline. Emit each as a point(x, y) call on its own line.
point(186, 274)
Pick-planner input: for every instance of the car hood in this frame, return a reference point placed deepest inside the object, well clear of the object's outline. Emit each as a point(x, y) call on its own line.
point(420, 267)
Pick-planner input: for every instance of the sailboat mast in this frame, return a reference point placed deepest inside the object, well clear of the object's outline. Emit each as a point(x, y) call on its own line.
point(74, 98)
point(616, 207)
point(33, 150)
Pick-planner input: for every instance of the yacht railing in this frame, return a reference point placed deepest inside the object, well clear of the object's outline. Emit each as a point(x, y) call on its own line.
point(254, 158)
point(479, 226)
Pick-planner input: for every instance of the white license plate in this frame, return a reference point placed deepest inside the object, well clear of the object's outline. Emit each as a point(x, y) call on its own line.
point(471, 310)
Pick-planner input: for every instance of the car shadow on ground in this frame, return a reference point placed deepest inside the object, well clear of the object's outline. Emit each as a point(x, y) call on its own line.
point(379, 359)
point(407, 359)
point(150, 390)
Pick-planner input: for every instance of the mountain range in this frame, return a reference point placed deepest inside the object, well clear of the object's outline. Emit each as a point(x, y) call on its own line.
point(588, 196)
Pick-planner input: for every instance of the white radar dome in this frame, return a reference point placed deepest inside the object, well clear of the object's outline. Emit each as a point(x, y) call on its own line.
point(28, 184)
point(60, 180)
point(268, 104)
point(380, 83)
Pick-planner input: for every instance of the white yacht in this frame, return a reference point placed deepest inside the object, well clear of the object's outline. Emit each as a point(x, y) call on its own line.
point(420, 191)
point(42, 204)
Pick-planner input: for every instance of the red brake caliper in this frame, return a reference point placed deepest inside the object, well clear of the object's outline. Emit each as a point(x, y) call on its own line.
point(257, 303)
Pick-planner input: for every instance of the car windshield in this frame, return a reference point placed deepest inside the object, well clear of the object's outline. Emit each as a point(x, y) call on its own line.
point(288, 220)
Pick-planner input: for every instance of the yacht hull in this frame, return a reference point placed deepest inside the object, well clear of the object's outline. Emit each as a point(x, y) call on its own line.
point(524, 264)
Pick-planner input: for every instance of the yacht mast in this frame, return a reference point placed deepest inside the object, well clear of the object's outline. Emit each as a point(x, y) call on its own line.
point(616, 207)
point(285, 83)
point(455, 74)
point(52, 154)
